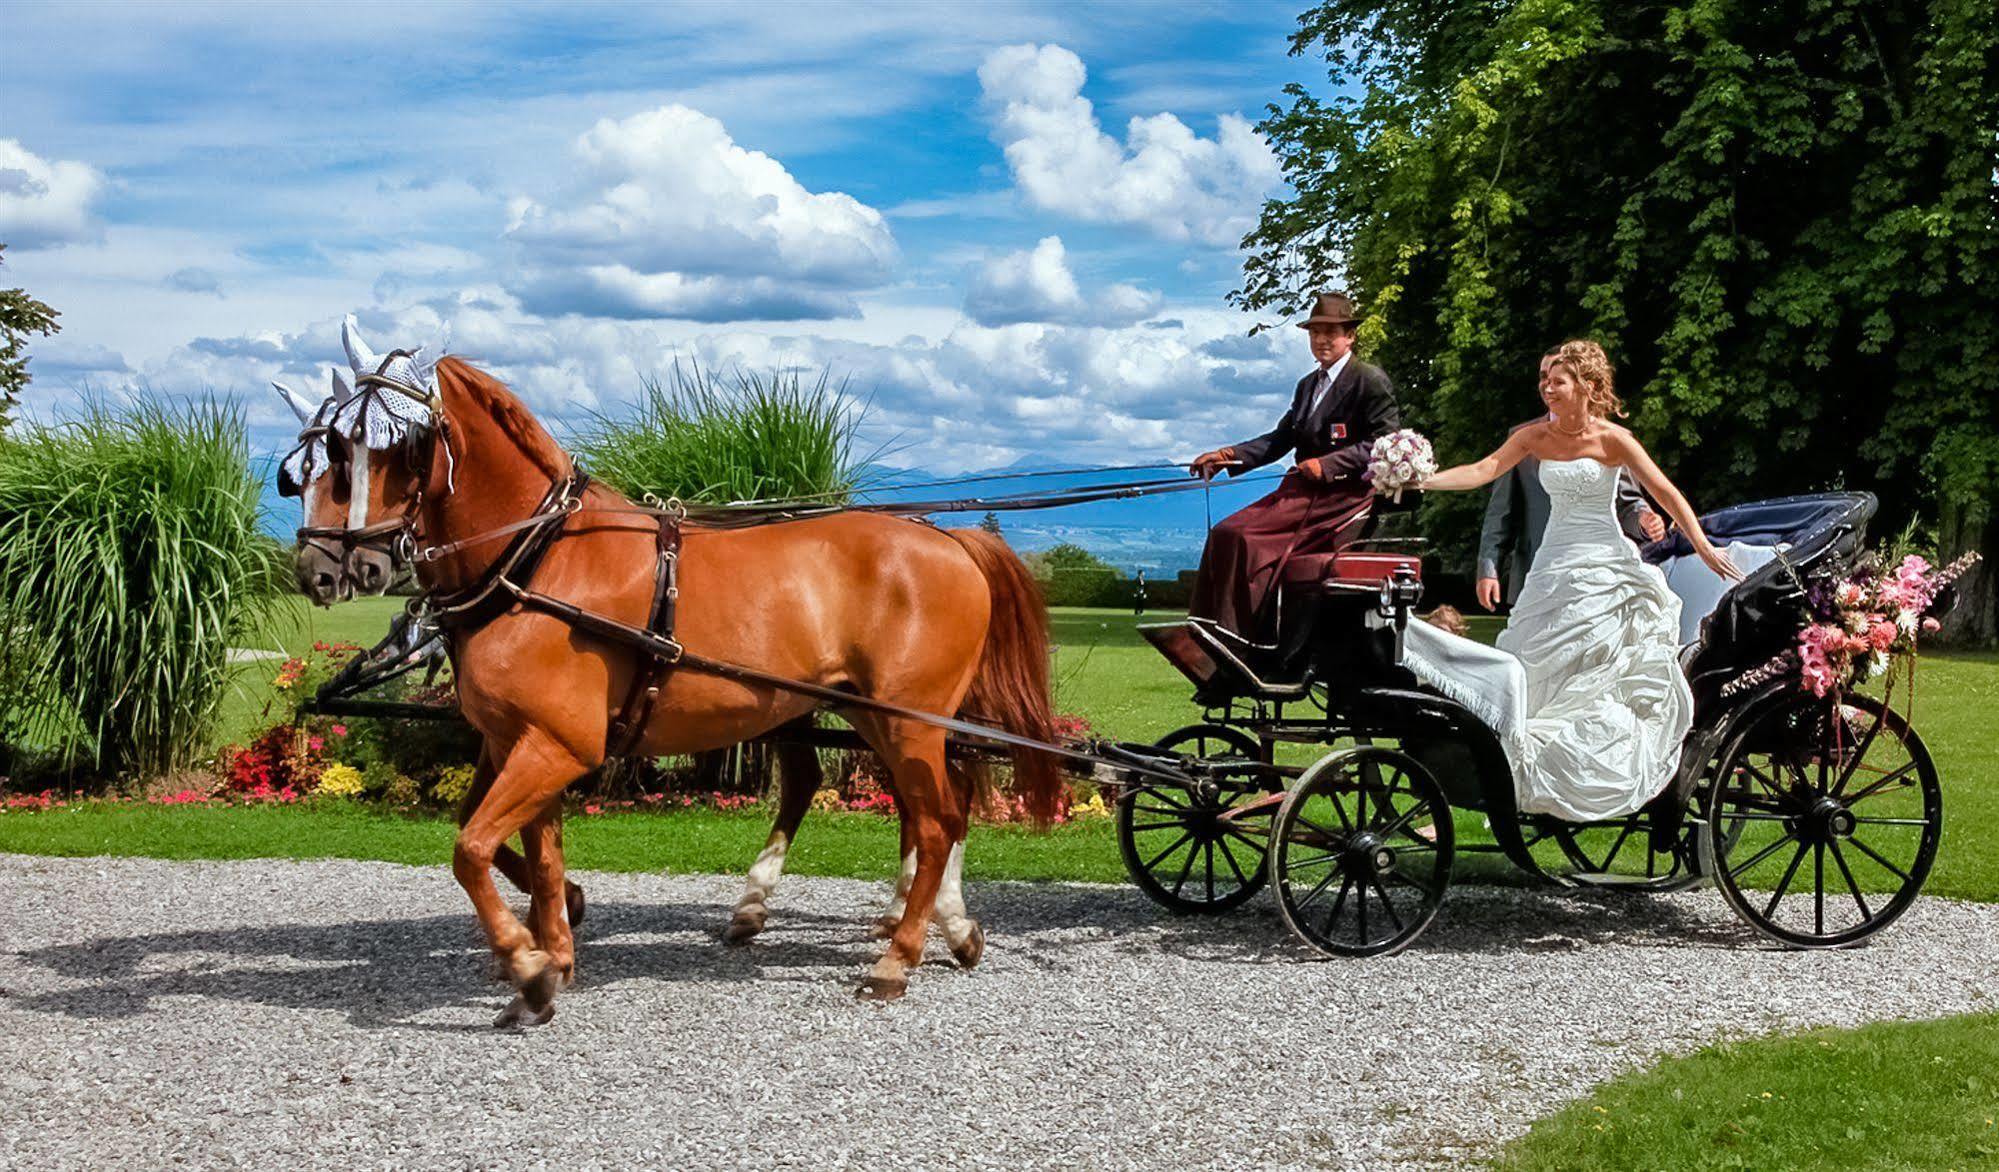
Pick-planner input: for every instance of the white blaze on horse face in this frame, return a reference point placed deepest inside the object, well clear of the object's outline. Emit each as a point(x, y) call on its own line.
point(357, 497)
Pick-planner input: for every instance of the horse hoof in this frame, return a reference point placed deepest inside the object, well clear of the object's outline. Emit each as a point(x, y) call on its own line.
point(882, 989)
point(884, 928)
point(742, 927)
point(578, 906)
point(520, 1015)
point(971, 949)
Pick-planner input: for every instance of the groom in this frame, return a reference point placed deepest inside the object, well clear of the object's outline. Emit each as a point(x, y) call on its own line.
point(1518, 514)
point(1337, 411)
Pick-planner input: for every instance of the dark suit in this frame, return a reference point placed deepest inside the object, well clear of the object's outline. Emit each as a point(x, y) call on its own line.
point(1246, 553)
point(1517, 516)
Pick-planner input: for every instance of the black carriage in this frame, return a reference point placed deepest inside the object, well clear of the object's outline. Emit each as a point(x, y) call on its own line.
point(1817, 818)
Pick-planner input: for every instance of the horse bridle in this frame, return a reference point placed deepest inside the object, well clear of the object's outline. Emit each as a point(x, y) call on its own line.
point(397, 536)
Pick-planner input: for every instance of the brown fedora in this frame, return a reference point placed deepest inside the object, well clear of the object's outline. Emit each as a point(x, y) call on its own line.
point(1332, 309)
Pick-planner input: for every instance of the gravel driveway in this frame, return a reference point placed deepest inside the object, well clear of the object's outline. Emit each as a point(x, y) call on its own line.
point(334, 1014)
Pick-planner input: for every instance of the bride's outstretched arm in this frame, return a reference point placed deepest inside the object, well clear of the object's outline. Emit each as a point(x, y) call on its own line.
point(1482, 472)
point(1626, 450)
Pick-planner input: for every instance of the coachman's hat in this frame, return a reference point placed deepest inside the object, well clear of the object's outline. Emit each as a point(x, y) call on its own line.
point(1332, 309)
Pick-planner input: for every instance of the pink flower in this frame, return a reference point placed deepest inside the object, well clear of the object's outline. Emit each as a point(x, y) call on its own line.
point(315, 743)
point(339, 730)
point(1881, 636)
point(1932, 626)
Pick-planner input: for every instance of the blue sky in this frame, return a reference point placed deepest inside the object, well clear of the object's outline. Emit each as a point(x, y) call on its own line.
point(1009, 225)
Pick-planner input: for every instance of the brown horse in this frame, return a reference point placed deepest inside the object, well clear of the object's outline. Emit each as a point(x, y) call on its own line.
point(933, 621)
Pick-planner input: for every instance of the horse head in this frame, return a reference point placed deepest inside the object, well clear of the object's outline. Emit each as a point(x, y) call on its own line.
point(357, 468)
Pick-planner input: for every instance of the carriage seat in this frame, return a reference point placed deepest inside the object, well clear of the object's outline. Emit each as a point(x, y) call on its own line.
point(1348, 568)
point(1700, 589)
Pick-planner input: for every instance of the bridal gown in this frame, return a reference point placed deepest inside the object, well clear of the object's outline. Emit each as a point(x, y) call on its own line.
point(1584, 688)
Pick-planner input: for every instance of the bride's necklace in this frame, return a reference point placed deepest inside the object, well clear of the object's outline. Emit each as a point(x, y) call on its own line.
point(1556, 423)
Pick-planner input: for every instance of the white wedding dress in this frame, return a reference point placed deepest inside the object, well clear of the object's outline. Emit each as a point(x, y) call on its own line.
point(1584, 689)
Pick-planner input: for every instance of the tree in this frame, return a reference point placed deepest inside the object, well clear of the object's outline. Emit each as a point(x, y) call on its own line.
point(990, 523)
point(20, 316)
point(1781, 219)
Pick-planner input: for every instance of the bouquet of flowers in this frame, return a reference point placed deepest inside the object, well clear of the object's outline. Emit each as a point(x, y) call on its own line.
point(1399, 460)
point(1860, 622)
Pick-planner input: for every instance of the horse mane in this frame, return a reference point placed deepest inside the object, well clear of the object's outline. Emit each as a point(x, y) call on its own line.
point(490, 396)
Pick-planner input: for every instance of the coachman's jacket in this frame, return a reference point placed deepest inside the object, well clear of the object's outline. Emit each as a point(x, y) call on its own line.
point(1245, 555)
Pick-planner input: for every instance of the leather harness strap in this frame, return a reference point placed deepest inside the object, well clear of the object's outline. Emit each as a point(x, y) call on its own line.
point(629, 727)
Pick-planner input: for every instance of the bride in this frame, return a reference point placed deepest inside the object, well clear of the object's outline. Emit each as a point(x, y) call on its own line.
point(1585, 689)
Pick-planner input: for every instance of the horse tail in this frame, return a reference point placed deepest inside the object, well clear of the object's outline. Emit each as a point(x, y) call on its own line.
point(1012, 688)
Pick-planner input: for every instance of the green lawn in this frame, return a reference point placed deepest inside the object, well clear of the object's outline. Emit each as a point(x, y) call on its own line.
point(1903, 1095)
point(861, 846)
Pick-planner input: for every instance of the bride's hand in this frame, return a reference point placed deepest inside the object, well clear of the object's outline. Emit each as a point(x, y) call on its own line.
point(1718, 562)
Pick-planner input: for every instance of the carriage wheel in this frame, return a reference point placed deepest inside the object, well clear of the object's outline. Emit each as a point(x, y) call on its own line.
point(1361, 852)
point(1822, 824)
point(1193, 852)
point(1619, 854)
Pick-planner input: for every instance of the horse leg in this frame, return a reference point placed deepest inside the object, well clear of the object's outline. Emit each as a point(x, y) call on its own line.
point(885, 924)
point(798, 779)
point(507, 859)
point(966, 939)
point(548, 916)
point(914, 754)
point(527, 784)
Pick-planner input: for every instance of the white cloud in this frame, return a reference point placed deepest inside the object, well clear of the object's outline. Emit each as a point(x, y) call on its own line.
point(1163, 176)
point(42, 203)
point(1037, 286)
point(672, 219)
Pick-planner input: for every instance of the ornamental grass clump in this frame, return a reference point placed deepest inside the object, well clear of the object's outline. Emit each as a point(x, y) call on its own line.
point(130, 562)
point(751, 437)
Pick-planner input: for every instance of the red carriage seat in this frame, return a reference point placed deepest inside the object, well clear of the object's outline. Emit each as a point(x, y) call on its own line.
point(1348, 568)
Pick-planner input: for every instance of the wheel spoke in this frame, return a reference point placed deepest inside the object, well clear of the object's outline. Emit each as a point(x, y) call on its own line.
point(1617, 846)
point(1137, 827)
point(1818, 886)
point(1758, 817)
point(1326, 832)
point(1360, 893)
point(1770, 909)
point(1766, 852)
point(1230, 859)
point(1769, 783)
point(1892, 821)
point(1386, 903)
point(1315, 860)
point(1161, 856)
point(1859, 751)
point(1847, 873)
point(1333, 799)
point(1428, 891)
point(1339, 901)
point(1208, 871)
point(1420, 808)
point(1880, 784)
point(1320, 888)
point(1186, 869)
point(1871, 853)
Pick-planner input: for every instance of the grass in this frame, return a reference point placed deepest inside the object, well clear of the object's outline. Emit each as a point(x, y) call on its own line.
point(699, 841)
point(1891, 1095)
point(753, 437)
point(130, 562)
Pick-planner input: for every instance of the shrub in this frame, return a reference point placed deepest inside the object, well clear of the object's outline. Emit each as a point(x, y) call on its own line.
point(755, 437)
point(130, 562)
point(340, 781)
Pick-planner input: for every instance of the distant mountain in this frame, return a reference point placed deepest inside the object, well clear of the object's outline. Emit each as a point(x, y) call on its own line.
point(1159, 534)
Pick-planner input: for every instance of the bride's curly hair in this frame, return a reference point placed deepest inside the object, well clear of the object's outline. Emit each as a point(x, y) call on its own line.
point(1591, 367)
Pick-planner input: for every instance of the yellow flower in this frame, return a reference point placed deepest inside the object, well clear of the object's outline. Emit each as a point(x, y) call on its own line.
point(453, 784)
point(340, 781)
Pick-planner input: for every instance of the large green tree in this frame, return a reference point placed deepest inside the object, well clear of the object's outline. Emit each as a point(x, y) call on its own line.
point(1781, 218)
